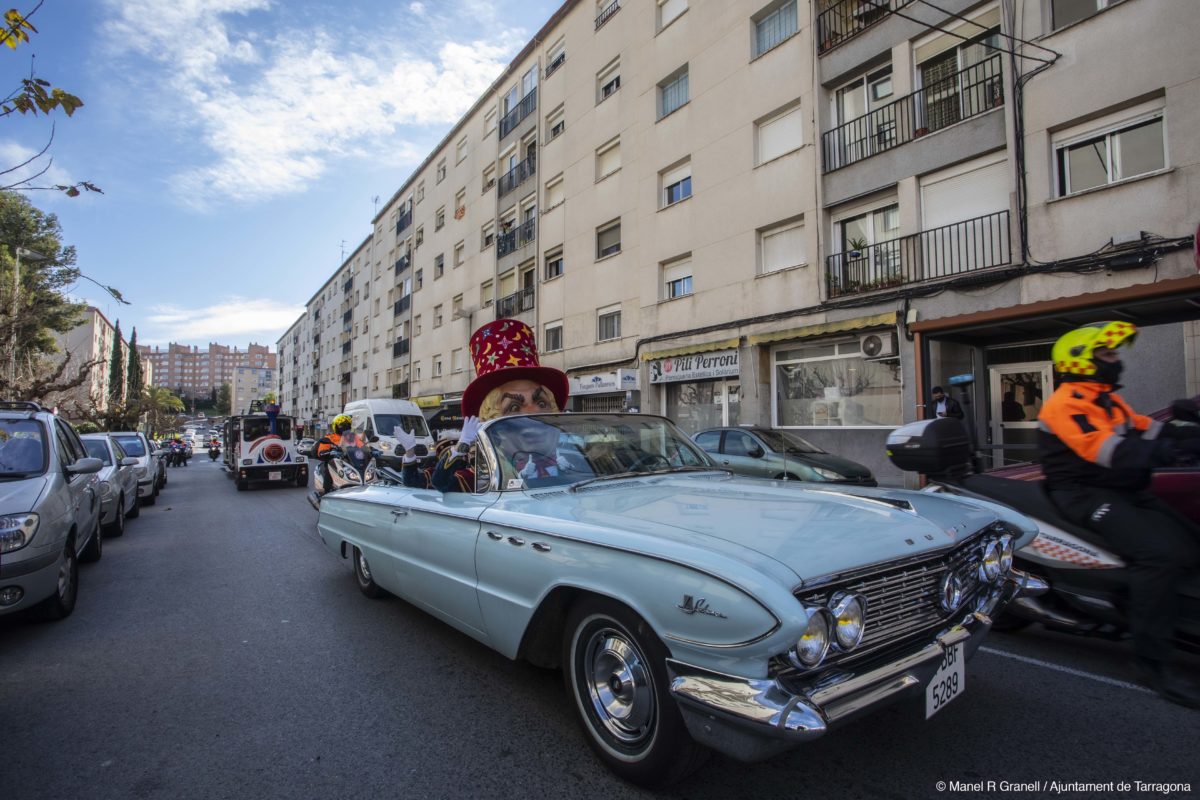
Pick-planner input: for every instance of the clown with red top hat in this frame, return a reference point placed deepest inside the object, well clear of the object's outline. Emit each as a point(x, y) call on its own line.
point(509, 380)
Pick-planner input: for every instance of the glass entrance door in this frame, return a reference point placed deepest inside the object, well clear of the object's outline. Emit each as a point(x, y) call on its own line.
point(1017, 392)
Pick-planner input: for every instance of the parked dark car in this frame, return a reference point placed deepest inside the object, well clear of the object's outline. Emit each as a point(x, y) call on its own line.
point(781, 455)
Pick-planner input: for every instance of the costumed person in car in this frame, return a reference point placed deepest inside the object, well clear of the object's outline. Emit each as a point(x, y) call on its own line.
point(509, 380)
point(340, 437)
point(1097, 454)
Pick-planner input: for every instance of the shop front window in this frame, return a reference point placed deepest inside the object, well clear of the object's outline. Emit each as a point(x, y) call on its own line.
point(703, 404)
point(831, 384)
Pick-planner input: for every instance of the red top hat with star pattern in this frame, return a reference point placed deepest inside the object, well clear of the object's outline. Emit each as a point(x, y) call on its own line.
point(504, 351)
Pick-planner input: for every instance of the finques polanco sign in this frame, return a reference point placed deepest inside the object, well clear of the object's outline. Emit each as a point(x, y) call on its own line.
point(622, 380)
point(695, 367)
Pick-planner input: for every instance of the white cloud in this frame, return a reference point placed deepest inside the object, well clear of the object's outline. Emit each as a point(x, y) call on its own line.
point(13, 154)
point(276, 106)
point(235, 319)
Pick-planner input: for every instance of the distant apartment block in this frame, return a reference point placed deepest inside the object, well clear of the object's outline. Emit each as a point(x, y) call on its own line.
point(194, 373)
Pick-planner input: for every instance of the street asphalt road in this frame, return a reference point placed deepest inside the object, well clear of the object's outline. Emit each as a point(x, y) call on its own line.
point(218, 650)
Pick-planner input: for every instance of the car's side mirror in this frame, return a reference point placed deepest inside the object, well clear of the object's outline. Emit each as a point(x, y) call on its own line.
point(755, 452)
point(129, 461)
point(85, 466)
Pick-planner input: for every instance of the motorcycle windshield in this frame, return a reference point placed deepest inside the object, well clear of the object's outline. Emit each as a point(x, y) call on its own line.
point(357, 457)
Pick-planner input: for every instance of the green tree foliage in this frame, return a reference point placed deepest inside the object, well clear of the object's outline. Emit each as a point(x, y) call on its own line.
point(116, 369)
point(39, 309)
point(161, 408)
point(224, 400)
point(133, 380)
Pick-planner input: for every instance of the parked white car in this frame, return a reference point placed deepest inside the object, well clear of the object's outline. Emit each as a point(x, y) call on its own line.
point(136, 444)
point(118, 482)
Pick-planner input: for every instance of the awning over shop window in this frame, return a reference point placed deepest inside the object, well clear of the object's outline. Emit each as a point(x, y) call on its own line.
point(428, 401)
point(724, 344)
point(824, 328)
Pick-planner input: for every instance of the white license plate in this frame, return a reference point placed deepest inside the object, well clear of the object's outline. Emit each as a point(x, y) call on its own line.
point(948, 682)
point(274, 476)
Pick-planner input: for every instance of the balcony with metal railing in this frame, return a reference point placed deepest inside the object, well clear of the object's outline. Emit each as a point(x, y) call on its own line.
point(348, 285)
point(523, 109)
point(607, 13)
point(515, 303)
point(517, 175)
point(346, 347)
point(406, 218)
point(555, 63)
point(346, 376)
point(955, 249)
point(965, 94)
point(403, 263)
point(400, 348)
point(400, 390)
point(402, 305)
point(841, 20)
point(346, 317)
point(513, 240)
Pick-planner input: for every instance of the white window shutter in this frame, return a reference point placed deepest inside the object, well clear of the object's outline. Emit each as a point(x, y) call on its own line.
point(780, 135)
point(783, 248)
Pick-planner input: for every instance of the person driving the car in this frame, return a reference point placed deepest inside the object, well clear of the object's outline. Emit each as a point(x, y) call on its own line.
point(509, 380)
point(1097, 454)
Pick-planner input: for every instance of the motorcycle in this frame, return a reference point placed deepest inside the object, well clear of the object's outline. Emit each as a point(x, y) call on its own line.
point(214, 452)
point(356, 464)
point(1086, 582)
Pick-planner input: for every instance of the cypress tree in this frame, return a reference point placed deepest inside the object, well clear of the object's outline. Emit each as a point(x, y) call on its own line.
point(116, 369)
point(134, 385)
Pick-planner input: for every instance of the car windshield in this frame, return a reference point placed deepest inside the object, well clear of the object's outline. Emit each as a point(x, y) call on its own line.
point(132, 445)
point(258, 427)
point(560, 449)
point(412, 423)
point(784, 442)
point(98, 449)
point(22, 447)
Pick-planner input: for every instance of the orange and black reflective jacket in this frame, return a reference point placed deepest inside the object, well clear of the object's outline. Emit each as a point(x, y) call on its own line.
point(333, 440)
point(1089, 436)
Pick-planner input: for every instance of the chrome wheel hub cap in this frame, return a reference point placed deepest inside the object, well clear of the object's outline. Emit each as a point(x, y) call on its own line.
point(619, 685)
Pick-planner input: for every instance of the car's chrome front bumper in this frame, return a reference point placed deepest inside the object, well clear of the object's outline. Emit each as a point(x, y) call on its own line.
point(752, 719)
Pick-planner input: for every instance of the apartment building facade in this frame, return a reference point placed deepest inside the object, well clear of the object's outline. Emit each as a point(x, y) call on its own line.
point(792, 214)
point(90, 346)
point(250, 384)
point(194, 373)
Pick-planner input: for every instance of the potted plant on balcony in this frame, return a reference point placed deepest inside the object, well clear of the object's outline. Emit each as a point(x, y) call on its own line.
point(857, 245)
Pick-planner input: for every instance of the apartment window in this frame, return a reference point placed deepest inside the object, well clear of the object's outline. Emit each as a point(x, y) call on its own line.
point(781, 246)
point(673, 92)
point(420, 191)
point(552, 337)
point(420, 237)
point(676, 183)
point(608, 158)
point(441, 170)
point(456, 360)
point(437, 367)
point(555, 122)
point(779, 133)
point(460, 150)
point(529, 80)
point(439, 219)
point(456, 307)
point(608, 81)
point(437, 316)
point(1108, 156)
point(554, 191)
point(1065, 12)
point(487, 294)
point(773, 25)
point(420, 278)
point(489, 122)
point(555, 56)
point(460, 203)
point(668, 10)
point(554, 263)
point(608, 239)
point(677, 277)
point(510, 100)
point(417, 325)
point(459, 250)
point(869, 393)
point(489, 176)
point(608, 323)
point(487, 236)
point(439, 265)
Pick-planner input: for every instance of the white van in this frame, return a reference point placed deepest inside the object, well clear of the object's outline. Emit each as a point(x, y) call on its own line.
point(379, 416)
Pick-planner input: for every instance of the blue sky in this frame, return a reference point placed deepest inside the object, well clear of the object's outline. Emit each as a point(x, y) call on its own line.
point(239, 143)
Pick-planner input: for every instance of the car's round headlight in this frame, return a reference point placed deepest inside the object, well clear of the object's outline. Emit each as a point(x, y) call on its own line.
point(813, 644)
point(849, 617)
point(1006, 553)
point(989, 566)
point(105, 489)
point(828, 474)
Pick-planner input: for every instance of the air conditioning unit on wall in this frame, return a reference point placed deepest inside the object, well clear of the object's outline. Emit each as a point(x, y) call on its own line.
point(878, 345)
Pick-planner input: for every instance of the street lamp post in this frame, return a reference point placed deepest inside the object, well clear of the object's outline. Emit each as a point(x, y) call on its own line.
point(12, 353)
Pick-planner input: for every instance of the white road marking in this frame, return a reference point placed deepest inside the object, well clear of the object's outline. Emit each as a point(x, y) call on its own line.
point(1069, 670)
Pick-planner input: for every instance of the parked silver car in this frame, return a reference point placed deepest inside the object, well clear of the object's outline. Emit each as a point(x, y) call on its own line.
point(118, 482)
point(137, 445)
point(49, 510)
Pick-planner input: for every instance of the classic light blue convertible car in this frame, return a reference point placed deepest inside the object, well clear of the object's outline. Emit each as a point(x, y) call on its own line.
point(689, 609)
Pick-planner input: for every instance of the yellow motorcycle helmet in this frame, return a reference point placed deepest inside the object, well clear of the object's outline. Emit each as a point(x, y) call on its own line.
point(1072, 353)
point(341, 423)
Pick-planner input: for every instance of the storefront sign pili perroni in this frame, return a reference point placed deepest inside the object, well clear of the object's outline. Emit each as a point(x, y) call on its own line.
point(695, 367)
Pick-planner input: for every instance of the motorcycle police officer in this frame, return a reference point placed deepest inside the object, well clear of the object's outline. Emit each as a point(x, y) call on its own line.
point(1097, 455)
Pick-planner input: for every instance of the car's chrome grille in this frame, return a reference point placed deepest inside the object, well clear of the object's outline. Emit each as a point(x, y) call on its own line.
point(903, 600)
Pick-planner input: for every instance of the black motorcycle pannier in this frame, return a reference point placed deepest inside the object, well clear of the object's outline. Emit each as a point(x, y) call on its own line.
point(931, 446)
